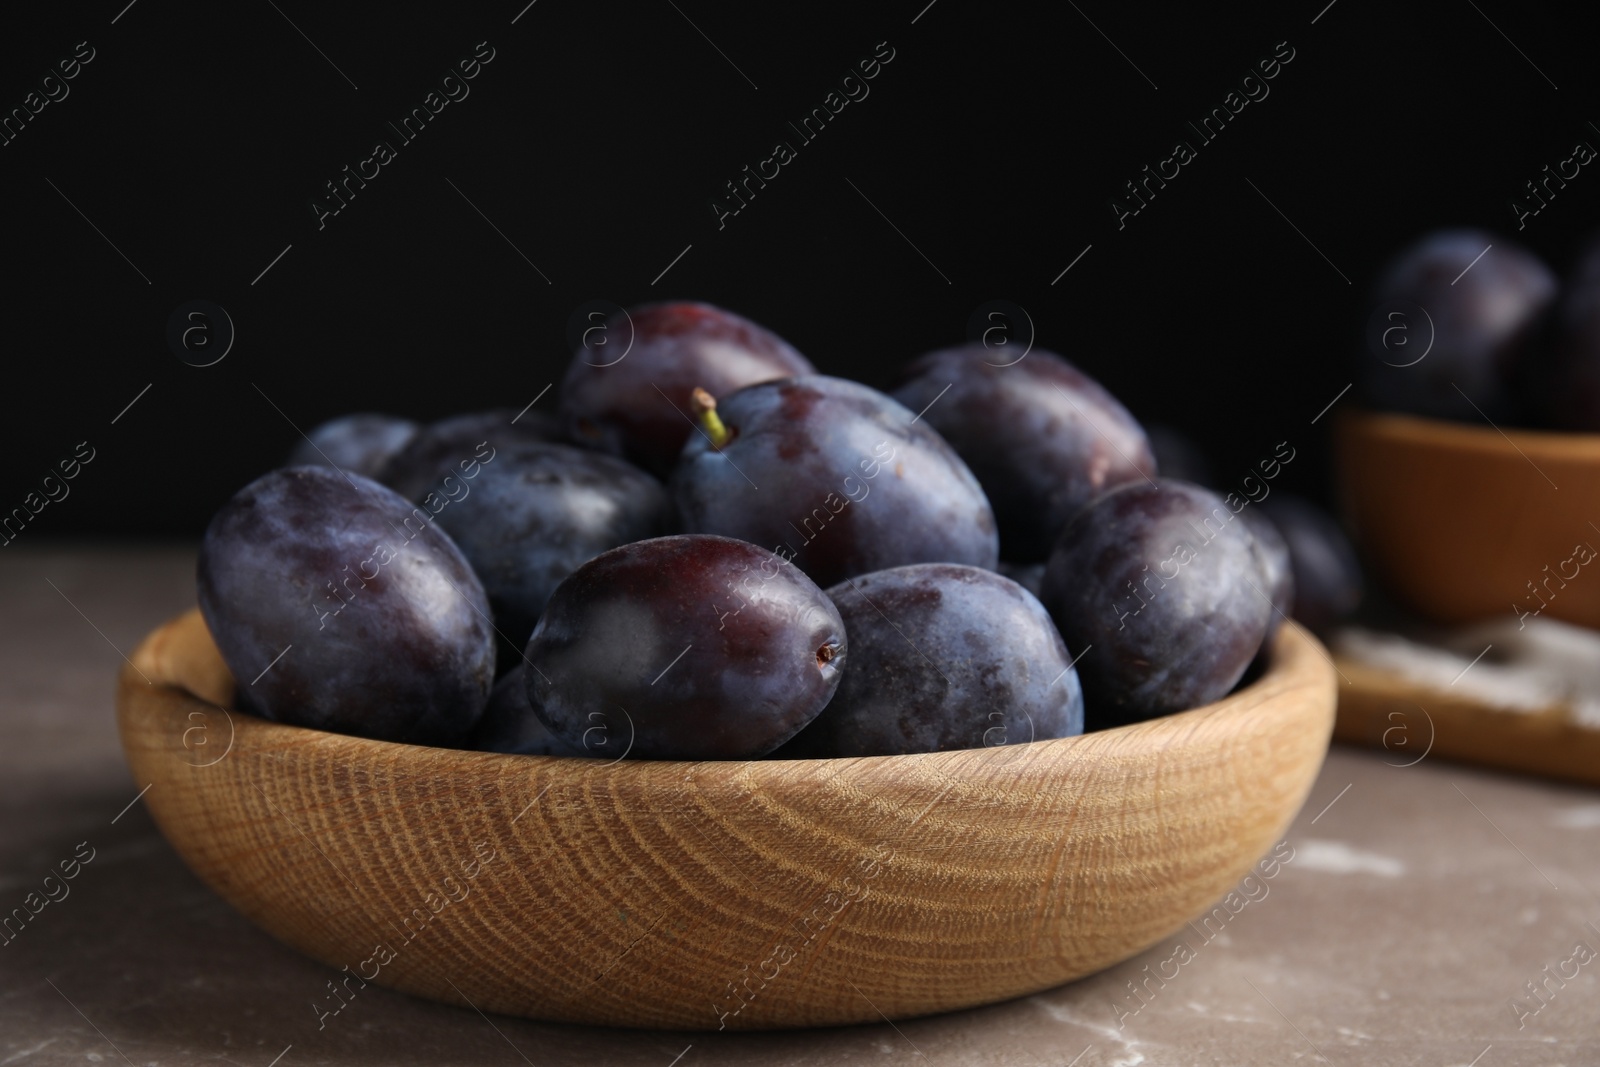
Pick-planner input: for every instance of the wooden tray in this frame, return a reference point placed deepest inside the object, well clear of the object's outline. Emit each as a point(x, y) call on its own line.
point(1411, 722)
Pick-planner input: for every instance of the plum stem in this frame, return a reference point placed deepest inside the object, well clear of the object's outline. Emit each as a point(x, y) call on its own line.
point(704, 406)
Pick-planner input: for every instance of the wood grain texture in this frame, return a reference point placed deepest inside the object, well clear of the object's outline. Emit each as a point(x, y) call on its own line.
point(1386, 710)
point(743, 895)
point(1458, 519)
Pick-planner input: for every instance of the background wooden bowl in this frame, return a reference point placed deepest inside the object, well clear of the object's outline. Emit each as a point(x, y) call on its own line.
point(1457, 520)
point(742, 895)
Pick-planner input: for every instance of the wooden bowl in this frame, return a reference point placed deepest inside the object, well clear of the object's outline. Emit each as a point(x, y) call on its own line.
point(1467, 522)
point(701, 896)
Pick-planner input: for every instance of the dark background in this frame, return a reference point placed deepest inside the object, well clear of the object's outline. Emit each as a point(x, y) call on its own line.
point(595, 139)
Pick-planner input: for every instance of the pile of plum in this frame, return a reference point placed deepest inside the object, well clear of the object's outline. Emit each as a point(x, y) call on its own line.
point(1468, 325)
point(718, 553)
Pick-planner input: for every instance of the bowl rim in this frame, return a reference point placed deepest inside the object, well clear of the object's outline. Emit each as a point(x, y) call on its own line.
point(1491, 439)
point(1291, 663)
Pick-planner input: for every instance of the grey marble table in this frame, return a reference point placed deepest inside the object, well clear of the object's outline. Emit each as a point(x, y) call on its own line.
point(1421, 907)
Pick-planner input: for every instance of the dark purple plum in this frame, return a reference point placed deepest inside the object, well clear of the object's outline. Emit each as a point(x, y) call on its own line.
point(1028, 575)
point(637, 405)
point(836, 476)
point(1277, 571)
point(530, 513)
point(509, 724)
point(684, 647)
point(1151, 585)
point(1041, 436)
point(1480, 316)
point(1571, 386)
point(337, 606)
point(1327, 575)
point(360, 444)
point(459, 442)
point(943, 656)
